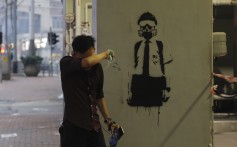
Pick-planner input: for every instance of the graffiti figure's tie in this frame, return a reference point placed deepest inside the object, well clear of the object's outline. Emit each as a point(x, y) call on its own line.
point(146, 59)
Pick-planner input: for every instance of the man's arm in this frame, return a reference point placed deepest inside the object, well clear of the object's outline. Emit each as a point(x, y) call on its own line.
point(94, 59)
point(104, 111)
point(103, 108)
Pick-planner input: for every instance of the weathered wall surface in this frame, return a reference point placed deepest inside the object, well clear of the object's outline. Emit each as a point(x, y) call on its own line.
point(184, 32)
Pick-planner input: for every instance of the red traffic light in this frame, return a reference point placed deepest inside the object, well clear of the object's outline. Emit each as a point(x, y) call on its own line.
point(2, 50)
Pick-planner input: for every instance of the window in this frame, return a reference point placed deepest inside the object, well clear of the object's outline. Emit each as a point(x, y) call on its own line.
point(57, 22)
point(37, 23)
point(23, 22)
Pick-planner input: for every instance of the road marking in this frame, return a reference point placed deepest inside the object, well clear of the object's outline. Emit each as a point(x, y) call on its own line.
point(56, 133)
point(8, 135)
point(40, 109)
point(15, 114)
point(60, 96)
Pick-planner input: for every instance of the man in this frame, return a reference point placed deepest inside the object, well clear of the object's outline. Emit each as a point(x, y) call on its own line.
point(82, 84)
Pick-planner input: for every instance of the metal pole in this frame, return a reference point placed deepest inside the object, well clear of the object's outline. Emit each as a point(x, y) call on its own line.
point(15, 36)
point(7, 75)
point(64, 32)
point(51, 56)
point(6, 23)
point(32, 29)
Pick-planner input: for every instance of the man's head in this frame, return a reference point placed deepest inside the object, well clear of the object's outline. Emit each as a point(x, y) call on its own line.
point(147, 23)
point(83, 45)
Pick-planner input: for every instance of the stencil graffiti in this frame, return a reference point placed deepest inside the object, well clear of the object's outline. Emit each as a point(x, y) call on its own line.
point(148, 83)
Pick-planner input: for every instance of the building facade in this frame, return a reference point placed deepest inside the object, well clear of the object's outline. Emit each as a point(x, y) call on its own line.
point(48, 15)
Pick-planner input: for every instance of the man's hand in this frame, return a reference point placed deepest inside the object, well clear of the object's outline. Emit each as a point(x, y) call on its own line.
point(213, 89)
point(110, 55)
point(114, 127)
point(111, 124)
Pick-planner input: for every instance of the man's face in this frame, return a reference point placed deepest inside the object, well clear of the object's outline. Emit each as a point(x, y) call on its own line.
point(147, 29)
point(88, 53)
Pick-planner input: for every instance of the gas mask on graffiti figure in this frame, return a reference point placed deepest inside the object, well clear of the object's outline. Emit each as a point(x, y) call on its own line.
point(147, 29)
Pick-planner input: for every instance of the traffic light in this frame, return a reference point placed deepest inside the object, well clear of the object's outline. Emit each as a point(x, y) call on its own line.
point(2, 49)
point(54, 37)
point(0, 37)
point(49, 38)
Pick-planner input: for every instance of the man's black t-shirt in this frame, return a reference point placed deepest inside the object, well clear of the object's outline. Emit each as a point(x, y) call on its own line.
point(81, 89)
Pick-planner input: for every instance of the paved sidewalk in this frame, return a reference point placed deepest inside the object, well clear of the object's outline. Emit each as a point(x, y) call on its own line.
point(31, 112)
point(30, 131)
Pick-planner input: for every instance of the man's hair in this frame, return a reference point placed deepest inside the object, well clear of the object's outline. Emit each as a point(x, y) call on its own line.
point(82, 43)
point(147, 16)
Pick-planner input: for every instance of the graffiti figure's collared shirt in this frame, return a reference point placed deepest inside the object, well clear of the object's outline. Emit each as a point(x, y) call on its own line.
point(154, 59)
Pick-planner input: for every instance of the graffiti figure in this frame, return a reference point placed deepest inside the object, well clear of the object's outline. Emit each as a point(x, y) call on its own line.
point(149, 84)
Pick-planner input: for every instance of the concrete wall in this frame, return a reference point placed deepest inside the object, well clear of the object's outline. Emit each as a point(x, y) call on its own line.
point(185, 28)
